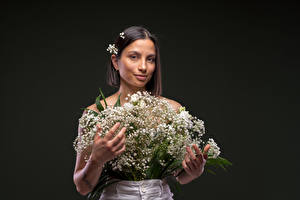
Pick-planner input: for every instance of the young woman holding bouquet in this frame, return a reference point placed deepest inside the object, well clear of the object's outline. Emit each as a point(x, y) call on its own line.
point(135, 66)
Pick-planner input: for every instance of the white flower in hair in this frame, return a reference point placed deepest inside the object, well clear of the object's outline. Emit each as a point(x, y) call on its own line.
point(122, 35)
point(112, 49)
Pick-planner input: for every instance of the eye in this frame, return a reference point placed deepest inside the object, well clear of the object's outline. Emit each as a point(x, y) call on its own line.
point(151, 59)
point(133, 57)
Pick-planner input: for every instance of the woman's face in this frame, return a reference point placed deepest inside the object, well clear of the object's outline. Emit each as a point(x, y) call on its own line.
point(137, 63)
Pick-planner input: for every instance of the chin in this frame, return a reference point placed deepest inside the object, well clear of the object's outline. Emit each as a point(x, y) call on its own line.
point(139, 84)
point(136, 83)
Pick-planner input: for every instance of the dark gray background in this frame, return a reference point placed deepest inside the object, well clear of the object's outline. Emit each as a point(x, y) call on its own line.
point(236, 66)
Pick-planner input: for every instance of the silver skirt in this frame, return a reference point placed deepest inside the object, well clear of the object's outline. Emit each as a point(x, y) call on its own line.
point(138, 190)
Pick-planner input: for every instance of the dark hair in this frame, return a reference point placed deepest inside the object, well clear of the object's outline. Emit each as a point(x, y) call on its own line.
point(130, 35)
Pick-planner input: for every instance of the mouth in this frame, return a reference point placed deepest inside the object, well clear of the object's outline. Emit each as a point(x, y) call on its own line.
point(141, 77)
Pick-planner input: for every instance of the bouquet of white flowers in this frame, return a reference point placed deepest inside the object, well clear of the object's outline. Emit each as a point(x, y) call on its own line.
point(156, 138)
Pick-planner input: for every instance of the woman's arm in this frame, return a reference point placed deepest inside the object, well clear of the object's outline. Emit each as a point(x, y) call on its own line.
point(87, 177)
point(86, 174)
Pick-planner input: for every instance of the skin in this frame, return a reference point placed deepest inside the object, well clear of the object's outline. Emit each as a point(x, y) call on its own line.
point(138, 58)
point(193, 165)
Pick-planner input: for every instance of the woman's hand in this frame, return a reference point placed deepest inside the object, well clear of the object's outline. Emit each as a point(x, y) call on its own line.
point(193, 164)
point(107, 148)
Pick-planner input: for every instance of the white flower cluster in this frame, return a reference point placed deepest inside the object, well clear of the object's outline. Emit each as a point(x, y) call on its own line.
point(87, 130)
point(153, 128)
point(112, 49)
point(122, 35)
point(214, 150)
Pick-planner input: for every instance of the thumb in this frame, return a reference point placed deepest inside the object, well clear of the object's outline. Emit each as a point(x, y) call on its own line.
point(98, 127)
point(206, 148)
point(97, 135)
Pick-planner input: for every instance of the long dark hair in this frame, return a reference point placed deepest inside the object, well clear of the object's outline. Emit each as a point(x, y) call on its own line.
point(130, 35)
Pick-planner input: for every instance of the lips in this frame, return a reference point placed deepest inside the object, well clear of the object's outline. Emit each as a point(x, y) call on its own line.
point(141, 77)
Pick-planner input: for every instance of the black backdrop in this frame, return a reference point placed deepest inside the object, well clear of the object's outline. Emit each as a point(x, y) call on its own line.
point(236, 66)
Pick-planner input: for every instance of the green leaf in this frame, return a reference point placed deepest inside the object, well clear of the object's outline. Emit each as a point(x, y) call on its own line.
point(176, 165)
point(218, 162)
point(166, 167)
point(98, 104)
point(225, 162)
point(103, 97)
point(210, 171)
point(118, 103)
point(154, 165)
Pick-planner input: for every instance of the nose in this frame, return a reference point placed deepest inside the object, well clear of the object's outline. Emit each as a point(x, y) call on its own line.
point(143, 66)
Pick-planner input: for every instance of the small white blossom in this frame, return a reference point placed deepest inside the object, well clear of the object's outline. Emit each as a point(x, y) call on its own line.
point(134, 98)
point(112, 49)
point(122, 35)
point(214, 150)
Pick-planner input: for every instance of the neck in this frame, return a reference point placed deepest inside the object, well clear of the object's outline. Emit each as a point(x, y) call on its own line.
point(125, 89)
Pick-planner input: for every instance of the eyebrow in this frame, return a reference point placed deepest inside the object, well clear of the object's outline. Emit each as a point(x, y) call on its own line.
point(139, 53)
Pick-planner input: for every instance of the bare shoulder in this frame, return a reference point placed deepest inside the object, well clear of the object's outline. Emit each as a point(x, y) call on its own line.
point(172, 102)
point(94, 107)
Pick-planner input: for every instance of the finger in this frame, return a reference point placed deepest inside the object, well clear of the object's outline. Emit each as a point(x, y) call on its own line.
point(110, 133)
point(206, 148)
point(121, 150)
point(98, 128)
point(191, 154)
point(200, 158)
point(115, 141)
point(199, 155)
point(197, 150)
point(119, 145)
point(192, 157)
point(186, 168)
point(190, 163)
point(96, 137)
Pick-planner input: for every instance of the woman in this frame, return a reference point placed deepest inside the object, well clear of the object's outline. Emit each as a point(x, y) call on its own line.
point(135, 66)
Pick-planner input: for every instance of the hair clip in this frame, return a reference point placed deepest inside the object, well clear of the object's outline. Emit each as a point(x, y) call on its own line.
point(112, 49)
point(122, 35)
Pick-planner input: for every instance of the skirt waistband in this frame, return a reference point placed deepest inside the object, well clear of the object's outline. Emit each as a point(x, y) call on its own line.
point(138, 190)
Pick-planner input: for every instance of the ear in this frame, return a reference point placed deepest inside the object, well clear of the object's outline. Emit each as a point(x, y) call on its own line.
point(114, 61)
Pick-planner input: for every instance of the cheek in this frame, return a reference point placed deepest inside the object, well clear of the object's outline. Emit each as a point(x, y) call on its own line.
point(126, 70)
point(151, 69)
point(128, 66)
point(124, 73)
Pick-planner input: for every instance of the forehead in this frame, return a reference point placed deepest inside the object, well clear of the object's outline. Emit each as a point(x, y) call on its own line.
point(141, 46)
